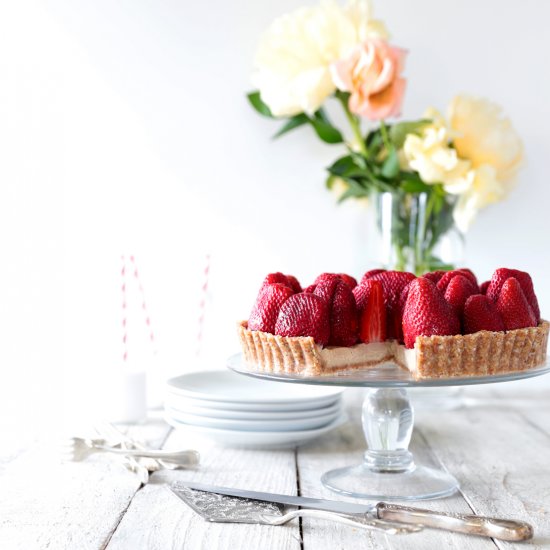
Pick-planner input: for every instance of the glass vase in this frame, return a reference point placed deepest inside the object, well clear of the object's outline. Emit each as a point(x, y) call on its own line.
point(417, 231)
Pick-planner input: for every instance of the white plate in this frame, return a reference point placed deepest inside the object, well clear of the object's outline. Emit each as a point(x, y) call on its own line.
point(295, 406)
point(229, 387)
point(254, 425)
point(236, 438)
point(182, 405)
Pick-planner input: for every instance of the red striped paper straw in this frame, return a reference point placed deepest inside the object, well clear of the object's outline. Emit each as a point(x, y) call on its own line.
point(202, 304)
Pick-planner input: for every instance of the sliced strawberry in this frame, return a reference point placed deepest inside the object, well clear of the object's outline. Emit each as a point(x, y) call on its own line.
point(501, 275)
point(483, 287)
point(349, 280)
point(294, 284)
point(268, 304)
point(304, 315)
point(459, 289)
point(514, 307)
point(427, 313)
point(481, 314)
point(373, 317)
point(370, 273)
point(393, 283)
point(434, 276)
point(446, 278)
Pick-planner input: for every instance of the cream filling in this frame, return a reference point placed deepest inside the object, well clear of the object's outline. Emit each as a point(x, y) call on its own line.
point(369, 355)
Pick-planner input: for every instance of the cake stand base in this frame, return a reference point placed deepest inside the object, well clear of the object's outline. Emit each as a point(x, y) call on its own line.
point(418, 483)
point(389, 471)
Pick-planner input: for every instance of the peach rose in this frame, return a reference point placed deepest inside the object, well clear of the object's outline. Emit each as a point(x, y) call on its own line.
point(371, 73)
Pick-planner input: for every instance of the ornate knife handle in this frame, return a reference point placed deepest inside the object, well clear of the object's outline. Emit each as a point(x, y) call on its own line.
point(503, 529)
point(389, 528)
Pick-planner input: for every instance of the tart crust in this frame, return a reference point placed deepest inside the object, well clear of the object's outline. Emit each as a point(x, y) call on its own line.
point(479, 354)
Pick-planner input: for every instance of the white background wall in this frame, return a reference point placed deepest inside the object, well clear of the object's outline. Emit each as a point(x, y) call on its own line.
point(124, 130)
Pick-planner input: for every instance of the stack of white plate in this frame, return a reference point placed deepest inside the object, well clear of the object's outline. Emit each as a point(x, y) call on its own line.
point(238, 410)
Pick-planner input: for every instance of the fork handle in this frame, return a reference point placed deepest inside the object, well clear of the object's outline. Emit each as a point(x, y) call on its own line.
point(186, 458)
point(503, 529)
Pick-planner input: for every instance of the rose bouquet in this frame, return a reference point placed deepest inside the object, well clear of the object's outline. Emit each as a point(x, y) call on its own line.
point(427, 175)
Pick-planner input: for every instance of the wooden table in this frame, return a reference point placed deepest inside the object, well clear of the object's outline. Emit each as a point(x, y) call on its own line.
point(497, 446)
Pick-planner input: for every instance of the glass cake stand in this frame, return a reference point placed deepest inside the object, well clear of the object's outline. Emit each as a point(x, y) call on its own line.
point(388, 470)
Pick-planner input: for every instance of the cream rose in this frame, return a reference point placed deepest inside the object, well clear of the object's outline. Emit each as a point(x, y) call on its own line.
point(431, 155)
point(295, 53)
point(483, 189)
point(484, 136)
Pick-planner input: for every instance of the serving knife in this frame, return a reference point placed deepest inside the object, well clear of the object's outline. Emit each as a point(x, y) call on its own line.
point(503, 529)
point(220, 508)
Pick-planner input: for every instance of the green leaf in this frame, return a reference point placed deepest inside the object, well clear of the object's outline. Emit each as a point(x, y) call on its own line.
point(341, 166)
point(324, 129)
point(415, 186)
point(398, 132)
point(390, 168)
point(256, 102)
point(292, 123)
point(356, 191)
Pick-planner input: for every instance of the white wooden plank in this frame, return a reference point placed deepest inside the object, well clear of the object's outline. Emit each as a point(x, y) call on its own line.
point(501, 461)
point(344, 448)
point(64, 506)
point(156, 519)
point(45, 503)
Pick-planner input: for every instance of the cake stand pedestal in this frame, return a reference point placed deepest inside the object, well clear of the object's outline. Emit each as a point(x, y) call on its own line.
point(388, 470)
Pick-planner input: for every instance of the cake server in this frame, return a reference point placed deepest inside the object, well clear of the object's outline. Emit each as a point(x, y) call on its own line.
point(220, 508)
point(503, 529)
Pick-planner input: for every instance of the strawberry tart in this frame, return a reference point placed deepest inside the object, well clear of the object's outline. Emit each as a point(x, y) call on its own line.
point(439, 325)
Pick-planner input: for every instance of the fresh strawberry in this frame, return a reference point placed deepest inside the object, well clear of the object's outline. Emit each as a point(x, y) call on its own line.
point(294, 284)
point(459, 289)
point(304, 315)
point(398, 313)
point(342, 310)
point(427, 313)
point(483, 287)
point(325, 277)
point(469, 272)
point(373, 317)
point(278, 277)
point(393, 283)
point(343, 317)
point(446, 278)
point(325, 287)
point(309, 289)
point(514, 307)
point(501, 275)
point(481, 314)
point(434, 276)
point(361, 294)
point(349, 280)
point(370, 273)
point(268, 304)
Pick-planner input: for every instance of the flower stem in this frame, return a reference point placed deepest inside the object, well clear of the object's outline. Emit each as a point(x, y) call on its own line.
point(355, 127)
point(384, 133)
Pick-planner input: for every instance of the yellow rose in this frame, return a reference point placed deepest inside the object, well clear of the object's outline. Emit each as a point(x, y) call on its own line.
point(484, 188)
point(431, 155)
point(484, 136)
point(295, 53)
